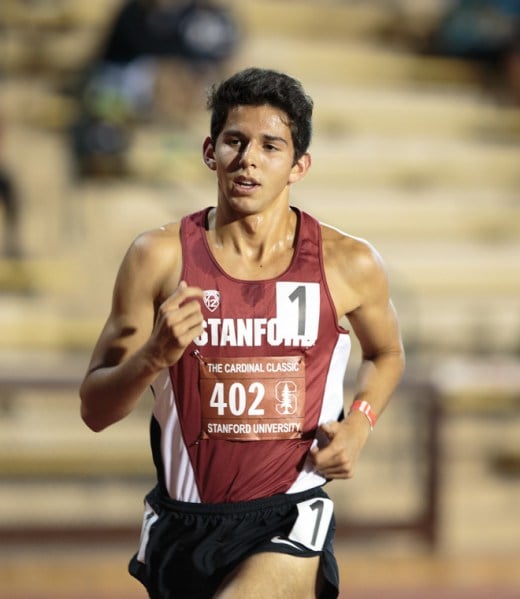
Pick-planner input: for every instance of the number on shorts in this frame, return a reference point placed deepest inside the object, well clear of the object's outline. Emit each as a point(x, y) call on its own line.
point(317, 506)
point(312, 524)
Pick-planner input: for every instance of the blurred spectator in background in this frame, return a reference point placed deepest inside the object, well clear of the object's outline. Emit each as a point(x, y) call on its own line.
point(156, 58)
point(199, 31)
point(487, 31)
point(11, 246)
point(9, 202)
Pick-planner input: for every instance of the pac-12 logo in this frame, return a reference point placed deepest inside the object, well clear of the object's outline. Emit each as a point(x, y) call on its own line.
point(211, 299)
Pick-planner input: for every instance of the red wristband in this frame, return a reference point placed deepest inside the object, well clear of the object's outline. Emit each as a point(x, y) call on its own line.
point(366, 408)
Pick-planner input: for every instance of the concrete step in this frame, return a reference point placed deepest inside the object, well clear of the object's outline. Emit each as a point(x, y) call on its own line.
point(43, 436)
point(416, 163)
point(425, 217)
point(411, 112)
point(54, 14)
point(355, 62)
point(30, 276)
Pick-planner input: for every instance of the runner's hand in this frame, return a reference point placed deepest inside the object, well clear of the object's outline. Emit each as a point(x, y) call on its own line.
point(338, 458)
point(177, 324)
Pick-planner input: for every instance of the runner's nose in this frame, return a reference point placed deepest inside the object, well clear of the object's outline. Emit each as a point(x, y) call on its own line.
point(248, 156)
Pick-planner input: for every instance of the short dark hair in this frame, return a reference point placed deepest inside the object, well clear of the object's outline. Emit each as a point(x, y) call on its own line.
point(257, 87)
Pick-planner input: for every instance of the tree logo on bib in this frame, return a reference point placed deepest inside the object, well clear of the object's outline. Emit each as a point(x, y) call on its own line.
point(211, 299)
point(286, 397)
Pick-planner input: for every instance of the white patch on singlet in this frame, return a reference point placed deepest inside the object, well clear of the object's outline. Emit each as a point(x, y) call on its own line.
point(178, 471)
point(330, 408)
point(298, 311)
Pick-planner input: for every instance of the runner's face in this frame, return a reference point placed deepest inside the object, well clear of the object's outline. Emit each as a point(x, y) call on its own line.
point(254, 157)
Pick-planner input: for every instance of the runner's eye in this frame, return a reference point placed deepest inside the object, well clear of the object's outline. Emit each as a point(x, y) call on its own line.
point(233, 142)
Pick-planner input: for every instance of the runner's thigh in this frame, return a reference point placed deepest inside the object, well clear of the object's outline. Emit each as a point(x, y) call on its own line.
point(273, 575)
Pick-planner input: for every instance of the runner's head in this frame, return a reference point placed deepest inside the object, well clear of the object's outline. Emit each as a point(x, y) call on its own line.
point(257, 87)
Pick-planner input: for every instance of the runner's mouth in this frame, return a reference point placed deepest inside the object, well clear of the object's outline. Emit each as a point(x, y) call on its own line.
point(245, 185)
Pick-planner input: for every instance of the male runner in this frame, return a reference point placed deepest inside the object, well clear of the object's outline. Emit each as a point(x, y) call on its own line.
point(232, 317)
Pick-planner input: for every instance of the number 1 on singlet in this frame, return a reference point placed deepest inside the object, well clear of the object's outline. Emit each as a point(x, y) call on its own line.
point(298, 311)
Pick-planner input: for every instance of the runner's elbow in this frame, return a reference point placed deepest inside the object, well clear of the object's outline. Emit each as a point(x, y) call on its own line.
point(95, 423)
point(95, 419)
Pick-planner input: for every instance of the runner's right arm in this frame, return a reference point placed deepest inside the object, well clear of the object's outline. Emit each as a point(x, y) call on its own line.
point(142, 334)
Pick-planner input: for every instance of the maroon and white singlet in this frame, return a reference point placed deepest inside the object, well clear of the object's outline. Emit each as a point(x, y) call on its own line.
point(234, 419)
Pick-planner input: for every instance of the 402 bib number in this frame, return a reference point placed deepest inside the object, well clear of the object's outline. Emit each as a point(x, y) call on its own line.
point(238, 400)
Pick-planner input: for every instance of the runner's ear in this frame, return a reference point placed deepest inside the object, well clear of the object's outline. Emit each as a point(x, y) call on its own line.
point(208, 154)
point(300, 168)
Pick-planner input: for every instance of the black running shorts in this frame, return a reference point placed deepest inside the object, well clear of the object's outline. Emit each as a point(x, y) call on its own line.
point(187, 549)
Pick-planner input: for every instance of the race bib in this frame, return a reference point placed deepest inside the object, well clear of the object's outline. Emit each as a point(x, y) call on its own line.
point(252, 399)
point(313, 522)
